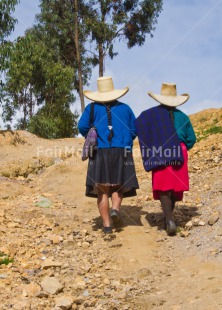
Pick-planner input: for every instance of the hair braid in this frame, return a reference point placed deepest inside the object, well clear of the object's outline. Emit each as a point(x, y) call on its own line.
point(111, 134)
point(171, 114)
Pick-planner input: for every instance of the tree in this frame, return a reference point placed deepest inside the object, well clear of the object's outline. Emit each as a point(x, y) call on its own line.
point(36, 78)
point(17, 91)
point(62, 24)
point(72, 27)
point(7, 24)
point(78, 52)
point(57, 123)
point(129, 20)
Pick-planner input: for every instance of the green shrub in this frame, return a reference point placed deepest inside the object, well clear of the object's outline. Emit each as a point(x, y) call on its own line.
point(213, 130)
point(203, 119)
point(4, 259)
point(59, 124)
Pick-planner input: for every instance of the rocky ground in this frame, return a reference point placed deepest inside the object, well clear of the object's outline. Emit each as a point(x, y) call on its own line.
point(58, 258)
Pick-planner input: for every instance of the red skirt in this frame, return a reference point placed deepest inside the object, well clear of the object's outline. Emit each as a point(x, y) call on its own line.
point(171, 178)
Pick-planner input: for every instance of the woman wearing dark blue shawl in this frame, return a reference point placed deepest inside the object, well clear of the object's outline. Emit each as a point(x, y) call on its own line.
point(165, 134)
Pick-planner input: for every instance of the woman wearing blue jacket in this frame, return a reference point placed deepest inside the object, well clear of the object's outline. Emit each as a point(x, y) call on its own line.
point(111, 172)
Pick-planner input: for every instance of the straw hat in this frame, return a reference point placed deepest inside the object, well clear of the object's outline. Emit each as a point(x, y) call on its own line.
point(169, 96)
point(106, 91)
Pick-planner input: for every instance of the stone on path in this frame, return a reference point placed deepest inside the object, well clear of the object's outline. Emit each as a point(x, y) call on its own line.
point(64, 302)
point(50, 263)
point(184, 233)
point(42, 294)
point(43, 202)
point(189, 225)
point(201, 223)
point(31, 289)
point(51, 285)
point(213, 218)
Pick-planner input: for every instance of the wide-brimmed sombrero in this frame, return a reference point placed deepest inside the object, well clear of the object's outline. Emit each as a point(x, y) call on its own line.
point(106, 91)
point(169, 95)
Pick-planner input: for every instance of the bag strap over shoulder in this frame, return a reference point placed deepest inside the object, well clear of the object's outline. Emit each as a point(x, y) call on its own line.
point(91, 114)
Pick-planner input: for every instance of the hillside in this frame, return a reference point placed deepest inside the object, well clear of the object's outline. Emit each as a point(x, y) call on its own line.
point(58, 257)
point(207, 122)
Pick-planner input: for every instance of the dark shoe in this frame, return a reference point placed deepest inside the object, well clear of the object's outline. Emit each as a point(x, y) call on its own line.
point(107, 230)
point(171, 228)
point(115, 216)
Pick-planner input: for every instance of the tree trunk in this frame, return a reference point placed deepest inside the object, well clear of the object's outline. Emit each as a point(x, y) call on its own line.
point(101, 69)
point(24, 122)
point(31, 104)
point(78, 55)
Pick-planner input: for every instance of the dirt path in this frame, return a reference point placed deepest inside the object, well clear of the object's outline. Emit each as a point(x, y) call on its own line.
point(173, 278)
point(139, 267)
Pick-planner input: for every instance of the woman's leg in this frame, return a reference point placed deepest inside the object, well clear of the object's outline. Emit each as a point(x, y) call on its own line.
point(173, 201)
point(116, 198)
point(167, 206)
point(103, 204)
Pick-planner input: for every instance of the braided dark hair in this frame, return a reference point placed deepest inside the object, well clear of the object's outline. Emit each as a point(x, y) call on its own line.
point(171, 114)
point(111, 134)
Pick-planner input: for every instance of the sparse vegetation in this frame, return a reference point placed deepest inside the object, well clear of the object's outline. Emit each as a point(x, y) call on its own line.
point(16, 139)
point(213, 130)
point(203, 119)
point(203, 134)
point(206, 123)
point(215, 120)
point(15, 169)
point(5, 259)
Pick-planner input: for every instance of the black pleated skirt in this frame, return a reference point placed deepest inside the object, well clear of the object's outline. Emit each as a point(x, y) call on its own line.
point(112, 166)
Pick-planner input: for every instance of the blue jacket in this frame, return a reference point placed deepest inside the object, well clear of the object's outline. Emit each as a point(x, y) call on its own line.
point(122, 119)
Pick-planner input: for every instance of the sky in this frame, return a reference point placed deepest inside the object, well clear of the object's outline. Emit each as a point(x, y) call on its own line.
point(185, 49)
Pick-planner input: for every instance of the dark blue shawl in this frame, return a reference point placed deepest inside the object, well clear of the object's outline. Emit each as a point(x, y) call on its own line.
point(159, 143)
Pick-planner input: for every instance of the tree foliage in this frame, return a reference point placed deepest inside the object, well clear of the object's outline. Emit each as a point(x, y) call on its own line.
point(100, 23)
point(36, 78)
point(54, 123)
point(7, 24)
point(62, 24)
point(129, 20)
point(7, 21)
point(55, 57)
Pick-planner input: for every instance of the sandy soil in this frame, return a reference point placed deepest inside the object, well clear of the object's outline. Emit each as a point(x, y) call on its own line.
point(138, 267)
